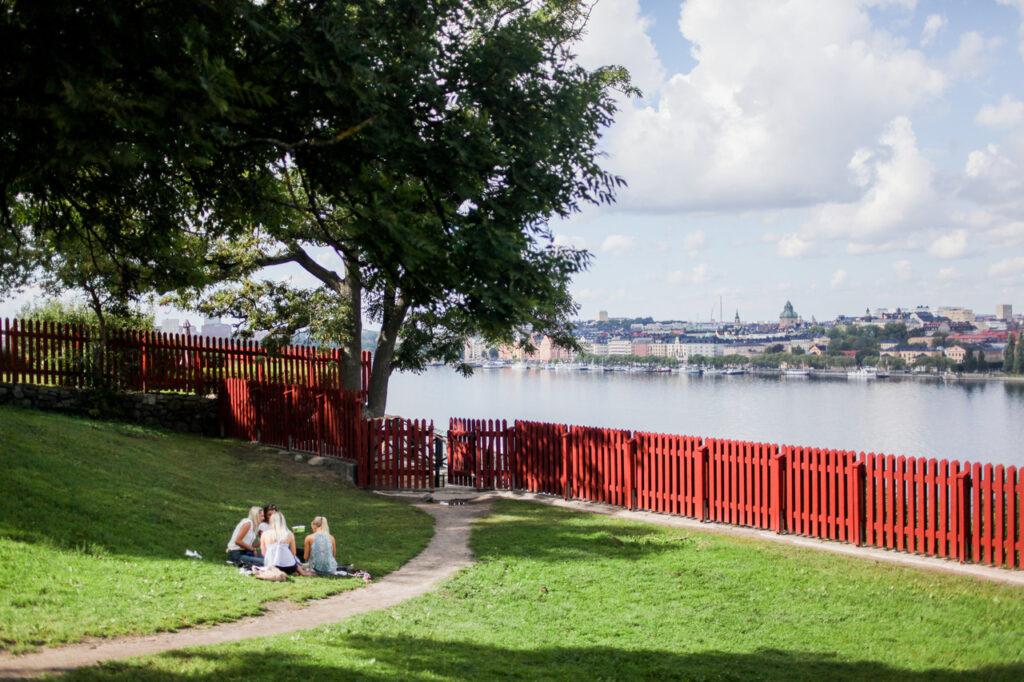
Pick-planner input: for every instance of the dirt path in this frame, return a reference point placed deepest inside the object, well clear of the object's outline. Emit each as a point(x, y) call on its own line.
point(446, 553)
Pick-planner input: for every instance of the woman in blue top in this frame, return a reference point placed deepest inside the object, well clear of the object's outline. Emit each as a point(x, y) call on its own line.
point(320, 548)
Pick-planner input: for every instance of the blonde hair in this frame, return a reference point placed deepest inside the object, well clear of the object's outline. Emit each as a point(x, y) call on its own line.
point(254, 517)
point(320, 523)
point(278, 529)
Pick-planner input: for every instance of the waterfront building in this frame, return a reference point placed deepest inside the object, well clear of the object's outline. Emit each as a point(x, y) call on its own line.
point(474, 349)
point(620, 347)
point(788, 317)
point(957, 314)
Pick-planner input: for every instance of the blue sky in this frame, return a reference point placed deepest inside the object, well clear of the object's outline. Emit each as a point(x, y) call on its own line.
point(838, 154)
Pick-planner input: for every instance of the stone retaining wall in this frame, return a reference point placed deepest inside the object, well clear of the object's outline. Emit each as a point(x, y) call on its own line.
point(185, 413)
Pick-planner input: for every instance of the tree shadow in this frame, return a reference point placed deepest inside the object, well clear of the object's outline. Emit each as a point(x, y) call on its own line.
point(365, 657)
point(575, 536)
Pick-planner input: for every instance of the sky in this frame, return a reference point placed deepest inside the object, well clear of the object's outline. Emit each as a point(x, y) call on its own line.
point(841, 154)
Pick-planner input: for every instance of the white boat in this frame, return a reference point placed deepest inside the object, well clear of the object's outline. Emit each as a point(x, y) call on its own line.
point(732, 371)
point(863, 373)
point(796, 372)
point(493, 364)
point(519, 366)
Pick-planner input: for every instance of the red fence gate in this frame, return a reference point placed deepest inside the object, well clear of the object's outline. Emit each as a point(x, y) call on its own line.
point(480, 453)
point(398, 454)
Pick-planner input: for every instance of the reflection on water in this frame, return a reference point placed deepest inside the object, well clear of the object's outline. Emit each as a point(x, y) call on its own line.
point(1014, 389)
point(975, 421)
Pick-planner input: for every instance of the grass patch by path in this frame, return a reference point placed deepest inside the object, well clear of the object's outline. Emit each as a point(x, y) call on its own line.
point(564, 595)
point(97, 517)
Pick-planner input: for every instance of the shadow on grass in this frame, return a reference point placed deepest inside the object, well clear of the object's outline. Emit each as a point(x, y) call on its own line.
point(572, 536)
point(387, 658)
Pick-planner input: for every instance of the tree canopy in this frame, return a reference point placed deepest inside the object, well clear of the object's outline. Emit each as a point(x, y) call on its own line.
point(406, 155)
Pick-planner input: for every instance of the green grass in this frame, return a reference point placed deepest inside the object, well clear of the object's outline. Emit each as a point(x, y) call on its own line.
point(562, 595)
point(96, 518)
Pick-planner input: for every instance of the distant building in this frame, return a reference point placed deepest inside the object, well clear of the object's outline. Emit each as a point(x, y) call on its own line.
point(788, 317)
point(620, 347)
point(1004, 311)
point(958, 314)
point(602, 315)
point(213, 327)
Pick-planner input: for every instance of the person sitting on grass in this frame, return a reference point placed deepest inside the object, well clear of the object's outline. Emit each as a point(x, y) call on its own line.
point(320, 548)
point(278, 547)
point(243, 537)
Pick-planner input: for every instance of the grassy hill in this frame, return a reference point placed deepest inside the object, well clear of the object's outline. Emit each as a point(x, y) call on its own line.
point(96, 518)
point(559, 595)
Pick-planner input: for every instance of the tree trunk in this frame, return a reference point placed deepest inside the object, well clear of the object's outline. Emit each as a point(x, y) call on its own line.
point(351, 290)
point(395, 309)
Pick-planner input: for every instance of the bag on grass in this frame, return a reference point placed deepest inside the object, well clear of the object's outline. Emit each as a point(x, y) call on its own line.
point(272, 573)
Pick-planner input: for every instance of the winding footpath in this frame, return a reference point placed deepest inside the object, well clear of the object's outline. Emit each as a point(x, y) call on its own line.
point(447, 552)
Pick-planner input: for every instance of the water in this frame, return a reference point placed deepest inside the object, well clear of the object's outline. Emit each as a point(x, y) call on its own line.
point(976, 421)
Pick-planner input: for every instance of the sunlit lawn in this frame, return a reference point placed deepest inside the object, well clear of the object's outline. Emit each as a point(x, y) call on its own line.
point(97, 517)
point(562, 595)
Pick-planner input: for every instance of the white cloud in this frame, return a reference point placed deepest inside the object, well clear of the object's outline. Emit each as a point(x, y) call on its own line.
point(572, 241)
point(838, 278)
point(618, 244)
point(902, 270)
point(616, 33)
point(952, 245)
point(1009, 113)
point(698, 275)
point(589, 293)
point(781, 97)
point(1006, 235)
point(973, 55)
point(1019, 4)
point(695, 241)
point(899, 195)
point(946, 274)
point(792, 246)
point(994, 179)
point(932, 25)
point(1009, 271)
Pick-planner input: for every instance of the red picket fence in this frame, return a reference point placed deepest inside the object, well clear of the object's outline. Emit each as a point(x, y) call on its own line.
point(398, 454)
point(390, 453)
point(33, 352)
point(944, 509)
point(480, 453)
point(600, 466)
point(739, 482)
point(541, 454)
point(320, 421)
point(817, 492)
point(670, 474)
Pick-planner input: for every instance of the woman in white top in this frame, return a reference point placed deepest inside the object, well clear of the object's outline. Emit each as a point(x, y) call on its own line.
point(278, 547)
point(243, 537)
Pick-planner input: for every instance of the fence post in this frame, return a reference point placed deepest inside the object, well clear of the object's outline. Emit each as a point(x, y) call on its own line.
point(855, 500)
point(566, 478)
point(321, 402)
point(478, 473)
point(512, 447)
point(634, 446)
point(701, 482)
point(288, 393)
point(963, 513)
point(778, 467)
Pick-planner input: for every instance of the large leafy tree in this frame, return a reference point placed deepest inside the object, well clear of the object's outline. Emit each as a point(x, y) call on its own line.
point(423, 146)
point(116, 148)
